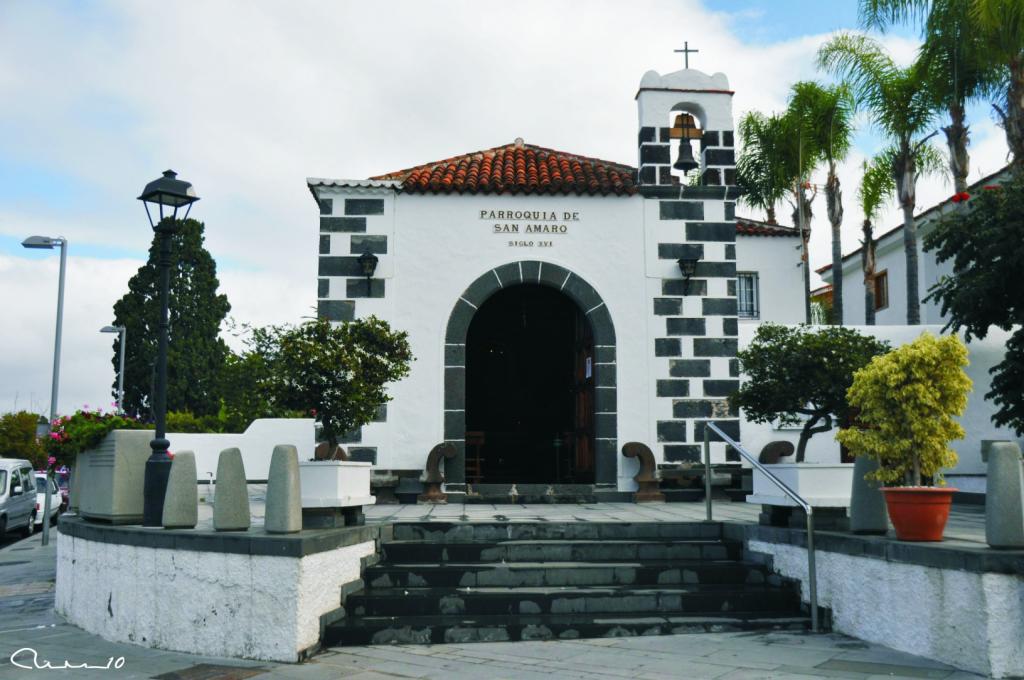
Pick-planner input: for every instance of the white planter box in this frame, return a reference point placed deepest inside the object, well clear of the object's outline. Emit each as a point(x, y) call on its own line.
point(822, 485)
point(335, 483)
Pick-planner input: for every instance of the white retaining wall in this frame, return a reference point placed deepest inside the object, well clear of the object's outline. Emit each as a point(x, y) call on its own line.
point(974, 621)
point(206, 603)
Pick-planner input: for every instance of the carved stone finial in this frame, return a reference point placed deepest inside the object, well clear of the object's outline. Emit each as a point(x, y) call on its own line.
point(435, 478)
point(647, 477)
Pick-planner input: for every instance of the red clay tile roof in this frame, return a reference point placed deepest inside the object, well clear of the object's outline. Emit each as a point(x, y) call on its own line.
point(748, 227)
point(518, 168)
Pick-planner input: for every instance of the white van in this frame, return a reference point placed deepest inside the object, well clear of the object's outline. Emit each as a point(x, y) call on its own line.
point(17, 495)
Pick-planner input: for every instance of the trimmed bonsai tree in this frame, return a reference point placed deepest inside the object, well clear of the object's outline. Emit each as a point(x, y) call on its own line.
point(796, 372)
point(338, 373)
point(906, 402)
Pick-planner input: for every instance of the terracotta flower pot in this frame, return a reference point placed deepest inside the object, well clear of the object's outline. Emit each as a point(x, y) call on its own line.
point(918, 513)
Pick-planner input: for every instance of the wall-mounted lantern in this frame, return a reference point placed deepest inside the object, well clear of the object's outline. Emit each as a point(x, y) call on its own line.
point(687, 267)
point(368, 262)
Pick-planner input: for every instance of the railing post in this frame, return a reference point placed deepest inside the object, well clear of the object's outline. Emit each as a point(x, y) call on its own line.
point(707, 470)
point(812, 572)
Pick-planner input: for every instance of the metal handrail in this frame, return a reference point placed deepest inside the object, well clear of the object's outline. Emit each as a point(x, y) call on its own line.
point(812, 579)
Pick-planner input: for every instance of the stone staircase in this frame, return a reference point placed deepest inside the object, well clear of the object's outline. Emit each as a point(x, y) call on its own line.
point(461, 582)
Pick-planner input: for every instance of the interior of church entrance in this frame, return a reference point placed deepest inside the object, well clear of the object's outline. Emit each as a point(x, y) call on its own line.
point(529, 389)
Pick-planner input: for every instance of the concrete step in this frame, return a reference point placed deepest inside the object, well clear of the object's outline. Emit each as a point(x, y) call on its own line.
point(527, 574)
point(410, 552)
point(379, 630)
point(689, 600)
point(490, 532)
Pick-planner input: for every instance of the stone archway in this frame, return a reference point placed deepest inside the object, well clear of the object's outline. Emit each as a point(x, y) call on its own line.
point(604, 361)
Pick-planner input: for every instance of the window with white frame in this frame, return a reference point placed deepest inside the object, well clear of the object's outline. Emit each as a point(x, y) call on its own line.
point(748, 300)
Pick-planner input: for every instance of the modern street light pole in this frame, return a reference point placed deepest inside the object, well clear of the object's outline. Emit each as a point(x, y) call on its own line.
point(171, 193)
point(122, 335)
point(48, 243)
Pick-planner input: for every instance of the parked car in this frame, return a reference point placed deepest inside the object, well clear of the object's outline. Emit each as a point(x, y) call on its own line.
point(17, 496)
point(55, 502)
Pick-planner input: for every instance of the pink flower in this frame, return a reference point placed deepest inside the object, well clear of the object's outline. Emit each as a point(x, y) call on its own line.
point(52, 460)
point(55, 435)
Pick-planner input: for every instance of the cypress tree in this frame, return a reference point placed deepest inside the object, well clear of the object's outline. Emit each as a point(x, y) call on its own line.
point(195, 350)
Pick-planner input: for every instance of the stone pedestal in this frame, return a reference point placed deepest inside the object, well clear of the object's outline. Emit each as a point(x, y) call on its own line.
point(868, 513)
point(1004, 495)
point(332, 518)
point(831, 519)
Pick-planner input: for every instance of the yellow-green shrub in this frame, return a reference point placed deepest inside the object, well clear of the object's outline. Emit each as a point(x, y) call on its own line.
point(906, 400)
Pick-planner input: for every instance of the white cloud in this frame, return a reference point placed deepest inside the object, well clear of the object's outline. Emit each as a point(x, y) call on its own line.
point(246, 99)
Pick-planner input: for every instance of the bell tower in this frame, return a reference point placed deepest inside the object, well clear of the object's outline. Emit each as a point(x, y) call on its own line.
point(687, 176)
point(674, 110)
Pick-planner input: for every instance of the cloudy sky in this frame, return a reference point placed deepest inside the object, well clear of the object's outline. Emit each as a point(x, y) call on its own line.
point(247, 99)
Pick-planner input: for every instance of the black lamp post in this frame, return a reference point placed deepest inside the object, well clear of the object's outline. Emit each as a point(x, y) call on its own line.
point(687, 266)
point(169, 194)
point(368, 261)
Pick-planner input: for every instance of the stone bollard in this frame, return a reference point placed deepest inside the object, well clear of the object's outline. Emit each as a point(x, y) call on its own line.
point(181, 502)
point(1004, 494)
point(284, 497)
point(231, 503)
point(435, 478)
point(868, 512)
point(647, 477)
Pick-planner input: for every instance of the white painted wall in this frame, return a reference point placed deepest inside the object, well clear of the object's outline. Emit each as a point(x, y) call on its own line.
point(969, 620)
point(776, 260)
point(890, 256)
point(969, 472)
point(206, 603)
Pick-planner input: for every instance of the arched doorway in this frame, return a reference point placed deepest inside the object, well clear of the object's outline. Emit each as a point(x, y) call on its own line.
point(601, 364)
point(529, 389)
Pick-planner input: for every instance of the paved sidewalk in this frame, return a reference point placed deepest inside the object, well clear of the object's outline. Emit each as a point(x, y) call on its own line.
point(27, 572)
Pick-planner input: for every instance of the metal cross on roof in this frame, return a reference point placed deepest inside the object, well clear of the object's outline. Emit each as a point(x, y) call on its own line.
point(686, 53)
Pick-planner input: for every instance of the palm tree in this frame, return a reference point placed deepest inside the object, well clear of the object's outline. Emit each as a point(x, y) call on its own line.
point(775, 158)
point(899, 103)
point(826, 116)
point(760, 170)
point(876, 186)
point(1001, 27)
point(959, 69)
point(992, 40)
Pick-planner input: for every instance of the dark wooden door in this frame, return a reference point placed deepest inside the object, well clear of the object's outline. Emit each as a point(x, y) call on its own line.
point(584, 395)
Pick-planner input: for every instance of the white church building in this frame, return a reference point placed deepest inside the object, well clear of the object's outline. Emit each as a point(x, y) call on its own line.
point(559, 305)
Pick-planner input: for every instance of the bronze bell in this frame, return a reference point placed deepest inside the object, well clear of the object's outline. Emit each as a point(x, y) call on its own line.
point(686, 161)
point(685, 129)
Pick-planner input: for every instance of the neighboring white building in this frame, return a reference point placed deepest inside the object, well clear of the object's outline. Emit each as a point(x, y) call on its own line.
point(891, 269)
point(544, 297)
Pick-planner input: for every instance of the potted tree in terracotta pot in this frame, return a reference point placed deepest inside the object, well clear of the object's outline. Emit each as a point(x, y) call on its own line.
point(907, 401)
